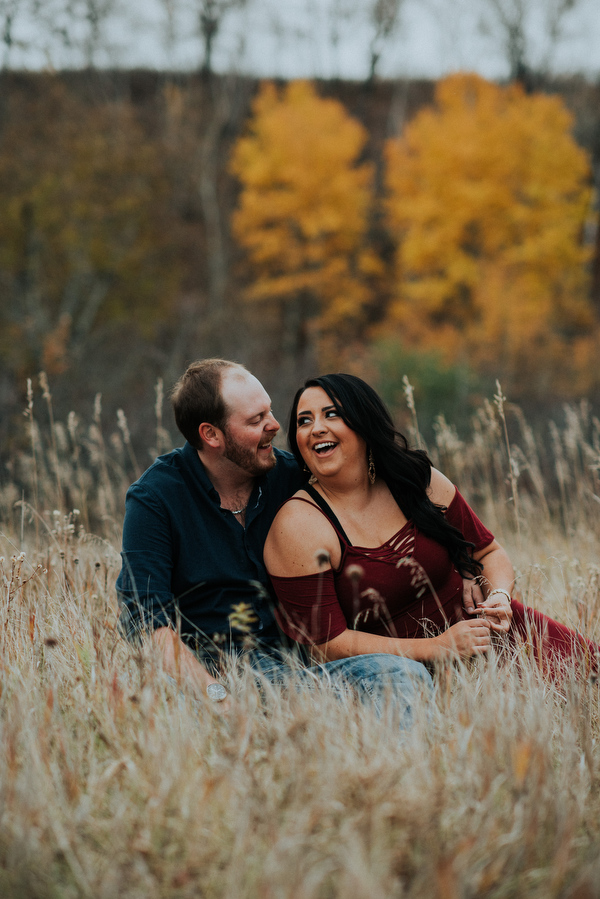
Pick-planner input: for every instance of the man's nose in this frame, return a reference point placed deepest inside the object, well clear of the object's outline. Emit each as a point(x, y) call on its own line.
point(271, 423)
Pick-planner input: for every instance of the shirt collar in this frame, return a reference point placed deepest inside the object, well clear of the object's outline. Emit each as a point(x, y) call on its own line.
point(199, 472)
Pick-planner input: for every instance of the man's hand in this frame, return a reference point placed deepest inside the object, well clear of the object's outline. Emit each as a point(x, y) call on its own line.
point(182, 665)
point(220, 706)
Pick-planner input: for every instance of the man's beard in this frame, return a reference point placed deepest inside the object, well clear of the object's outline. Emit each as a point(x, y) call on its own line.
point(246, 459)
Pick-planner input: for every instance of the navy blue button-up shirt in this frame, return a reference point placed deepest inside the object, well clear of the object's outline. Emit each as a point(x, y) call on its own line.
point(188, 563)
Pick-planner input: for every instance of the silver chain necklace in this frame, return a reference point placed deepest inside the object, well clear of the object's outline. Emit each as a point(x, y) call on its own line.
point(242, 510)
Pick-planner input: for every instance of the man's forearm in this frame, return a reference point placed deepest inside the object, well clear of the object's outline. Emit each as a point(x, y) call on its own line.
point(181, 663)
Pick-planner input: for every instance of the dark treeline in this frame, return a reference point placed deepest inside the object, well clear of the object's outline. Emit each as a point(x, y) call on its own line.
point(117, 263)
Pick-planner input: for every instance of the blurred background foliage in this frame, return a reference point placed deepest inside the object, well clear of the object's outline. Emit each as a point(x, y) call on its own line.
point(445, 230)
point(452, 389)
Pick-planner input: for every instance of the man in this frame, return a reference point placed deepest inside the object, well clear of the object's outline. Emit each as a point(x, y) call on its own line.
point(195, 526)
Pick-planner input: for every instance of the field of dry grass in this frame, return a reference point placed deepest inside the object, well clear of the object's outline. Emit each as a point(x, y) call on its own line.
point(112, 784)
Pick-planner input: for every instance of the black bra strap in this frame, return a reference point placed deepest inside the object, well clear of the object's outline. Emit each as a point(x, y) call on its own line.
point(324, 505)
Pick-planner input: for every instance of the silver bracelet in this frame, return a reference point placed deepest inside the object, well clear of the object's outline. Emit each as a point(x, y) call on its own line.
point(500, 590)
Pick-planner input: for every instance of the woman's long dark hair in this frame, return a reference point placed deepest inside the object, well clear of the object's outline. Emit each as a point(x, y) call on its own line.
point(407, 472)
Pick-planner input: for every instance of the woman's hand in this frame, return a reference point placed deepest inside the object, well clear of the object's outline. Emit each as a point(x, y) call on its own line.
point(466, 639)
point(497, 611)
point(472, 594)
point(497, 573)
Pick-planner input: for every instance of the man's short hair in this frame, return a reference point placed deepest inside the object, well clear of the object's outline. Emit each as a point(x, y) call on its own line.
point(196, 397)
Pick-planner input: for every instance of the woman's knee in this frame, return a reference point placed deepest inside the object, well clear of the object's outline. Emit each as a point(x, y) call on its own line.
point(386, 668)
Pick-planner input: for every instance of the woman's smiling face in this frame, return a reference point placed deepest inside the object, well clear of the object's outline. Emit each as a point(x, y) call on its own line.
point(323, 437)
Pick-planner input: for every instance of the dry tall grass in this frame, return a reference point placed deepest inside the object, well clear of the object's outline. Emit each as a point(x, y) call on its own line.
point(114, 784)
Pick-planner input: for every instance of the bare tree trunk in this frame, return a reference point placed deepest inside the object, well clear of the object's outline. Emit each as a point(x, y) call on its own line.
point(9, 13)
point(511, 21)
point(595, 285)
point(384, 15)
point(209, 164)
point(202, 120)
point(297, 355)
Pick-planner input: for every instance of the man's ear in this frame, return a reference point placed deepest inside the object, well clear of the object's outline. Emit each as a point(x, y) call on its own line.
point(210, 434)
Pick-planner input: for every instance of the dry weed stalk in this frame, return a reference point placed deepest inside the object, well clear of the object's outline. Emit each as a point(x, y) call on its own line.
point(54, 462)
point(113, 784)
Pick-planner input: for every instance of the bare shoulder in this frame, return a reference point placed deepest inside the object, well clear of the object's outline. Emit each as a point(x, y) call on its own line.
point(298, 533)
point(441, 490)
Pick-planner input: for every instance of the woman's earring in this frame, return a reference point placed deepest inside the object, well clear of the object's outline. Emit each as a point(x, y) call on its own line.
point(312, 479)
point(372, 474)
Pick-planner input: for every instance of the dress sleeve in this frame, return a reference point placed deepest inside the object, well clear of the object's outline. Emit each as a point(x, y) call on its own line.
point(308, 609)
point(461, 516)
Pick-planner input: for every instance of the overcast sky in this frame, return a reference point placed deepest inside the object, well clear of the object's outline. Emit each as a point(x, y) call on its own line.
point(309, 38)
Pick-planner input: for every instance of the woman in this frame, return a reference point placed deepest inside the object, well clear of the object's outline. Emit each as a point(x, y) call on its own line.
point(370, 556)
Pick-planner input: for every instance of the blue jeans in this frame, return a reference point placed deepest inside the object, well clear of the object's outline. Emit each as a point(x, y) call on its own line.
point(386, 682)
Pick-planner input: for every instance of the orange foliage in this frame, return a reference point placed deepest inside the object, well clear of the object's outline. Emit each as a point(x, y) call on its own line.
point(304, 206)
point(488, 194)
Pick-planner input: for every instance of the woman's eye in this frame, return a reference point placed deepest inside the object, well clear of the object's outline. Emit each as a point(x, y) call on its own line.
point(303, 420)
point(331, 413)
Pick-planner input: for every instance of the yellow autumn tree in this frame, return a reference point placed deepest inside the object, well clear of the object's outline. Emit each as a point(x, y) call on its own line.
point(488, 194)
point(304, 207)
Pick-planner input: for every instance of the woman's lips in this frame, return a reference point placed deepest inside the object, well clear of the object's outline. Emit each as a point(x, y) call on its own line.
point(324, 448)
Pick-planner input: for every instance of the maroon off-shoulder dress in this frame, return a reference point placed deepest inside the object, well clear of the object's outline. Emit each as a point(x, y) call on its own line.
point(408, 587)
